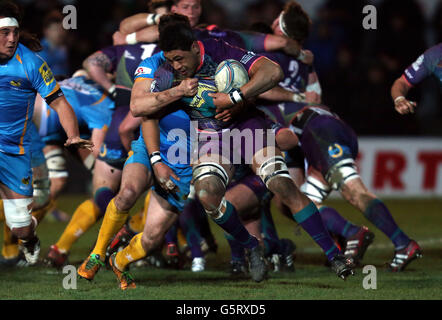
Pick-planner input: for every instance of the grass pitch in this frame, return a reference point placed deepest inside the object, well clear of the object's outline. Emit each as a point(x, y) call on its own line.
point(420, 219)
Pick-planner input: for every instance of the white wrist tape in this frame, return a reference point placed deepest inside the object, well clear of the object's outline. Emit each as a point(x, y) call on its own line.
point(398, 98)
point(236, 96)
point(151, 19)
point(131, 38)
point(298, 97)
point(315, 87)
point(8, 22)
point(155, 157)
point(111, 89)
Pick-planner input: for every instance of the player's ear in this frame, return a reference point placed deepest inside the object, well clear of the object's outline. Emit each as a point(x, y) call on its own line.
point(195, 48)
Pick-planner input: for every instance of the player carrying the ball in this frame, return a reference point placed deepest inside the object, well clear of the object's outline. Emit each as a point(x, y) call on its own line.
point(194, 62)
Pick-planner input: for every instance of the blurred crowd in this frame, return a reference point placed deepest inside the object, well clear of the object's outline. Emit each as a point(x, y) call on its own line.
point(356, 67)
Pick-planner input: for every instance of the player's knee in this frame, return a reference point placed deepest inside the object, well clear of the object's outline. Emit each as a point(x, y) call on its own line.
point(56, 163)
point(210, 181)
point(274, 169)
point(126, 198)
point(315, 190)
point(18, 217)
point(42, 192)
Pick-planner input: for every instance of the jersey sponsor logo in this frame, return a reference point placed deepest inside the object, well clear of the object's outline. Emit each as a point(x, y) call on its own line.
point(335, 150)
point(46, 73)
point(246, 58)
point(143, 70)
point(416, 65)
point(15, 83)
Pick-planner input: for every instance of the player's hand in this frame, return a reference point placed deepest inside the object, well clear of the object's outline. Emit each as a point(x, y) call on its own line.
point(80, 143)
point(312, 97)
point(307, 57)
point(163, 174)
point(189, 87)
point(404, 106)
point(119, 38)
point(221, 101)
point(228, 114)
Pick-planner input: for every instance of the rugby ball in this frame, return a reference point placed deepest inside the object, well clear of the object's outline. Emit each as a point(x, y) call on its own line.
point(229, 75)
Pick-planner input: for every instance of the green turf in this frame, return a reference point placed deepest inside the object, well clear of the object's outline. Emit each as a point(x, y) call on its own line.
point(422, 280)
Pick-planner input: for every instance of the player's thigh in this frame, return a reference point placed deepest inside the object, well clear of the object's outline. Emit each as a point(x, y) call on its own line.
point(105, 176)
point(242, 198)
point(159, 219)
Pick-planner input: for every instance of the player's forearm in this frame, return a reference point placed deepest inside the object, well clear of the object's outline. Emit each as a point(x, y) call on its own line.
point(67, 117)
point(151, 134)
point(148, 34)
point(399, 88)
point(265, 75)
point(126, 130)
point(98, 65)
point(149, 103)
point(289, 46)
point(133, 23)
point(278, 94)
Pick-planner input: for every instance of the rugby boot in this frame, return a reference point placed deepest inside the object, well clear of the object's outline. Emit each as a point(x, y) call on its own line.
point(120, 240)
point(90, 267)
point(342, 266)
point(404, 256)
point(357, 244)
point(125, 280)
point(288, 255)
point(31, 250)
point(257, 264)
point(55, 258)
point(237, 268)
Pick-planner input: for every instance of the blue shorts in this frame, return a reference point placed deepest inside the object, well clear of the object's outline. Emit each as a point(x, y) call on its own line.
point(138, 154)
point(16, 172)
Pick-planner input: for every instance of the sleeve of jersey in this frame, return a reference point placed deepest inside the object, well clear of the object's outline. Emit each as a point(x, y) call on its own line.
point(418, 70)
point(41, 76)
point(225, 51)
point(148, 66)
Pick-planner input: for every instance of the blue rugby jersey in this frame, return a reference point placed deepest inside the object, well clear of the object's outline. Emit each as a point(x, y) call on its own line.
point(21, 77)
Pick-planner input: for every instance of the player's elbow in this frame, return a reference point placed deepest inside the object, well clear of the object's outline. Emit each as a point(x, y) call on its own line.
point(275, 74)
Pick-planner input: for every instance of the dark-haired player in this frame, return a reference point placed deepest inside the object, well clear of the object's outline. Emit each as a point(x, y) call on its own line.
point(23, 74)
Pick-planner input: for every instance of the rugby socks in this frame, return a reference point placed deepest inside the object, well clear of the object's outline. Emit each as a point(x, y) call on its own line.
point(378, 214)
point(113, 221)
point(102, 197)
point(133, 252)
point(310, 220)
point(171, 235)
point(236, 249)
point(39, 214)
point(190, 228)
point(231, 224)
point(336, 224)
point(82, 220)
point(271, 240)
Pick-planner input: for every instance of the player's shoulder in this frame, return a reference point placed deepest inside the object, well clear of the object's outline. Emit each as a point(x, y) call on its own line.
point(434, 52)
point(28, 56)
